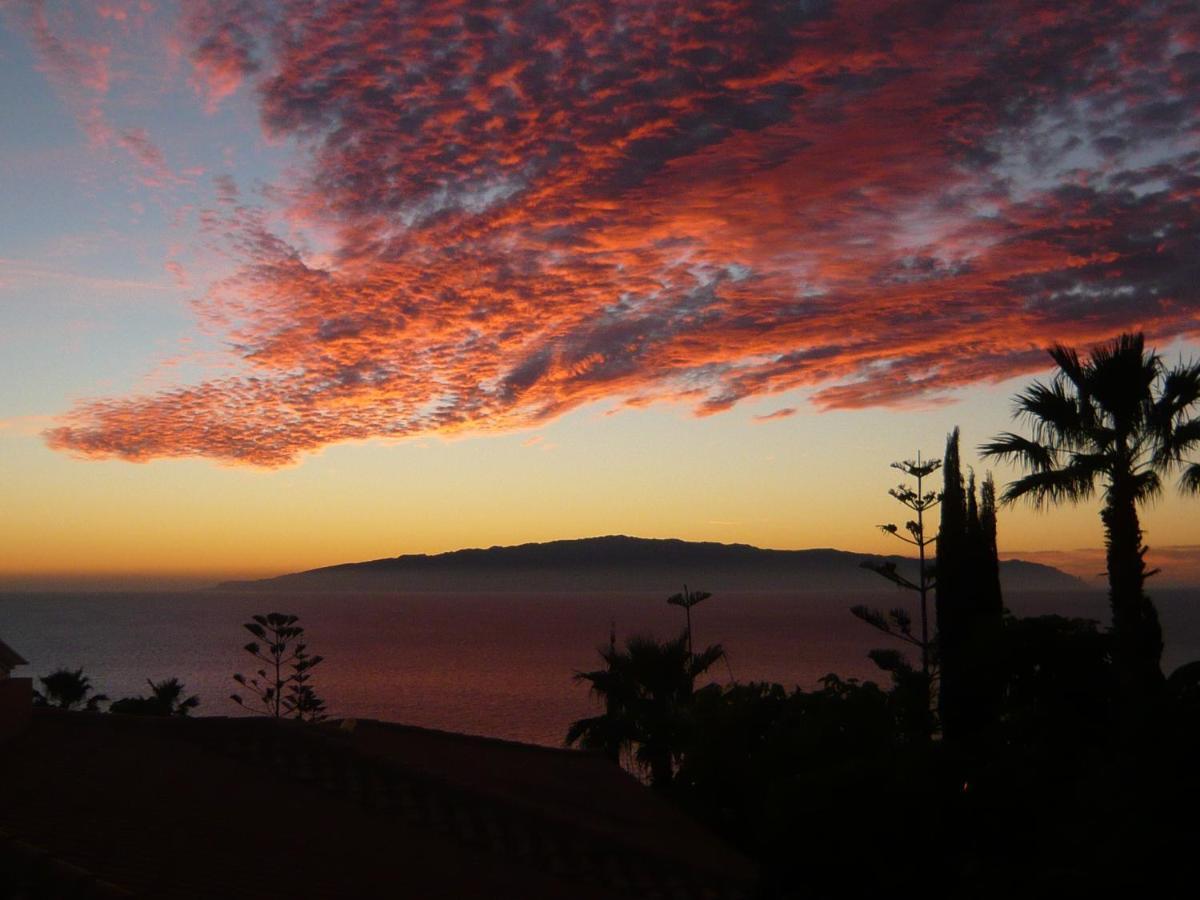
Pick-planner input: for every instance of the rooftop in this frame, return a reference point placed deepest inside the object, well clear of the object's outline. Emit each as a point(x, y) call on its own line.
point(10, 658)
point(250, 807)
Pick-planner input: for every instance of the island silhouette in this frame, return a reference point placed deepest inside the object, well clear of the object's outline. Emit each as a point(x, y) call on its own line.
point(620, 562)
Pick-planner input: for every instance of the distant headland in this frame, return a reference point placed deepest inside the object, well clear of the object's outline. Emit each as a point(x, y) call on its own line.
point(619, 562)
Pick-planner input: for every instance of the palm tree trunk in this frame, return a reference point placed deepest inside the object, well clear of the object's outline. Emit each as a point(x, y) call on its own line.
point(1137, 636)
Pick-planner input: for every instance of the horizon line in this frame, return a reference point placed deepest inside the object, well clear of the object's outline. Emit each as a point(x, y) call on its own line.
point(163, 580)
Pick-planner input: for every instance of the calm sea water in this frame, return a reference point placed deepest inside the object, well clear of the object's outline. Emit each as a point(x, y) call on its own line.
point(498, 665)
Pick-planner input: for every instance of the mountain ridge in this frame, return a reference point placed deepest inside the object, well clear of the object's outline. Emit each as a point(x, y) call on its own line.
point(623, 562)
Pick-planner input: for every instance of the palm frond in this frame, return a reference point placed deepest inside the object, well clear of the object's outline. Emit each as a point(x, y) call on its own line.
point(704, 660)
point(600, 733)
point(1067, 360)
point(1055, 415)
point(1102, 437)
point(1120, 378)
point(1071, 484)
point(1014, 448)
point(1174, 441)
point(1180, 390)
point(1189, 482)
point(1146, 485)
point(1128, 349)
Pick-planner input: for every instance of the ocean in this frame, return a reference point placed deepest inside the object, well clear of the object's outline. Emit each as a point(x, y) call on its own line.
point(495, 664)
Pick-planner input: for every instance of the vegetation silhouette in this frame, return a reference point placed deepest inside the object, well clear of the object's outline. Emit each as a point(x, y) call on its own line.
point(647, 690)
point(918, 501)
point(1023, 777)
point(687, 599)
point(969, 605)
point(281, 686)
point(915, 686)
point(166, 699)
point(68, 689)
point(831, 790)
point(1121, 417)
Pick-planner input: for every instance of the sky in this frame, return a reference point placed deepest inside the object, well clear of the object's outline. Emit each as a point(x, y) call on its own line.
point(294, 283)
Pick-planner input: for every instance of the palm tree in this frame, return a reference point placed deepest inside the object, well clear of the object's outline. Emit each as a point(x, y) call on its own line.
point(1122, 418)
point(166, 699)
point(66, 689)
point(647, 689)
point(169, 695)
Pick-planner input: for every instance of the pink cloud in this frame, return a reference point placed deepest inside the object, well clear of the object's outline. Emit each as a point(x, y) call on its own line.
point(154, 169)
point(85, 51)
point(545, 206)
point(785, 413)
point(221, 36)
point(78, 67)
point(177, 271)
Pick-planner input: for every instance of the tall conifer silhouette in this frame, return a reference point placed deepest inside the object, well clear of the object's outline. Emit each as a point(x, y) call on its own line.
point(919, 502)
point(969, 604)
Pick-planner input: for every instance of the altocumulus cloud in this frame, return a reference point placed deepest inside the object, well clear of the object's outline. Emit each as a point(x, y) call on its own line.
point(536, 205)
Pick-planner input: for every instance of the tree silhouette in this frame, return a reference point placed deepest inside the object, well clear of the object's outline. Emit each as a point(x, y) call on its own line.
point(687, 600)
point(898, 623)
point(304, 703)
point(991, 599)
point(647, 689)
point(166, 699)
point(66, 689)
point(968, 601)
point(1121, 418)
point(281, 685)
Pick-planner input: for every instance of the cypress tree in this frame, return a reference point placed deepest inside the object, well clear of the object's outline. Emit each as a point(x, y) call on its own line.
point(953, 614)
point(991, 601)
point(986, 632)
point(969, 602)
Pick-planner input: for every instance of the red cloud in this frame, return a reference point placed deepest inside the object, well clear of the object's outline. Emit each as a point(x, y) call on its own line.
point(220, 35)
point(537, 205)
point(785, 413)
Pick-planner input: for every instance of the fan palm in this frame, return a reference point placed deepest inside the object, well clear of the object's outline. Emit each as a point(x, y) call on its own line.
point(647, 689)
point(67, 689)
point(1122, 418)
point(168, 695)
point(166, 699)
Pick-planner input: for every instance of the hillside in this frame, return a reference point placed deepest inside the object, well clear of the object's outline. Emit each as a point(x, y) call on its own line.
point(627, 563)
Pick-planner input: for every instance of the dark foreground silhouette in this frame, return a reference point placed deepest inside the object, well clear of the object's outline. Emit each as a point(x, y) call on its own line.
point(257, 808)
point(1036, 757)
